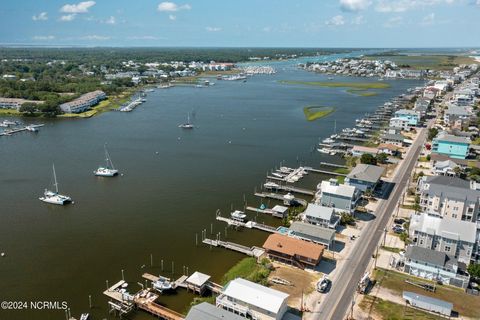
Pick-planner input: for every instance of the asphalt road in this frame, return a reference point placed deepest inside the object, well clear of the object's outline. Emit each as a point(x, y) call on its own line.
point(339, 300)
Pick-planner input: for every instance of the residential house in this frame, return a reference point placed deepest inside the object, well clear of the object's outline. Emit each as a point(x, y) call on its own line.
point(437, 266)
point(364, 177)
point(358, 151)
point(445, 168)
point(390, 149)
point(454, 237)
point(402, 123)
point(449, 197)
point(452, 146)
point(311, 232)
point(412, 116)
point(326, 217)
point(395, 139)
point(14, 103)
point(207, 311)
point(454, 114)
point(252, 300)
point(293, 251)
point(422, 105)
point(342, 197)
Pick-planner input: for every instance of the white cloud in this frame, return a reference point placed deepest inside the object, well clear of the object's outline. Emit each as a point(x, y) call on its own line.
point(336, 21)
point(405, 5)
point(110, 20)
point(354, 5)
point(42, 16)
point(95, 37)
point(143, 38)
point(477, 3)
point(43, 38)
point(81, 7)
point(172, 17)
point(213, 29)
point(68, 17)
point(393, 22)
point(267, 29)
point(358, 20)
point(429, 19)
point(172, 7)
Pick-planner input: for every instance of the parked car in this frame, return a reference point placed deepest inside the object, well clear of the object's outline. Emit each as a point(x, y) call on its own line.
point(399, 221)
point(398, 229)
point(323, 285)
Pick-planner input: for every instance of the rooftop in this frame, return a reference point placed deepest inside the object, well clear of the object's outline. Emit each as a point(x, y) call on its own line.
point(292, 246)
point(198, 279)
point(318, 211)
point(451, 187)
point(312, 230)
point(366, 172)
point(255, 294)
point(451, 138)
point(206, 311)
point(337, 189)
point(432, 301)
point(432, 257)
point(445, 227)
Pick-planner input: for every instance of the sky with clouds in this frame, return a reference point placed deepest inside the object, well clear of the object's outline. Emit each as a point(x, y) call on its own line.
point(297, 23)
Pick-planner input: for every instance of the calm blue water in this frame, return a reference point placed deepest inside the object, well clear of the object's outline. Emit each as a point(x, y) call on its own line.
point(174, 181)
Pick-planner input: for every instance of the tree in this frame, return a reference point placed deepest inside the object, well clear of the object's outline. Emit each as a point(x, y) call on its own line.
point(28, 107)
point(432, 133)
point(474, 270)
point(382, 158)
point(367, 158)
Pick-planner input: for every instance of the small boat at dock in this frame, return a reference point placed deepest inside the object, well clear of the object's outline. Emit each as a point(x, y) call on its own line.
point(238, 215)
point(162, 284)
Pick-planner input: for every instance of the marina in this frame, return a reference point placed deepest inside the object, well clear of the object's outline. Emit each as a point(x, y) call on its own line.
point(198, 165)
point(11, 131)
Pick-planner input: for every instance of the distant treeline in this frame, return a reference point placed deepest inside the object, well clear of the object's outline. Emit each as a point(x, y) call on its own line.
point(108, 55)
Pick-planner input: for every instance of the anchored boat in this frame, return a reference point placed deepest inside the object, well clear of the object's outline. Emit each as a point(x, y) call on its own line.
point(54, 197)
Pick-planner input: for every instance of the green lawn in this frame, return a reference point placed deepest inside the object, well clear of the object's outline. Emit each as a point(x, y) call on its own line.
point(249, 269)
point(316, 112)
point(351, 85)
point(421, 62)
point(465, 304)
point(9, 112)
point(388, 310)
point(342, 170)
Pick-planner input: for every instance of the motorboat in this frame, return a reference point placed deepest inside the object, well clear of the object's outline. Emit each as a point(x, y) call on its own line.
point(31, 128)
point(54, 197)
point(328, 140)
point(162, 284)
point(324, 150)
point(271, 185)
point(109, 170)
point(278, 175)
point(238, 215)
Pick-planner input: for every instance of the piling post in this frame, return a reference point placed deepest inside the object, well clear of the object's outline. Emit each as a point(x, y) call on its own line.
point(151, 260)
point(173, 267)
point(107, 284)
point(225, 232)
point(161, 265)
point(211, 228)
point(66, 314)
point(90, 301)
point(196, 239)
point(123, 277)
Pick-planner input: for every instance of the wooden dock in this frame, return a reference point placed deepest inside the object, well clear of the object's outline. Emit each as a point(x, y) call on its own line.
point(251, 252)
point(266, 211)
point(280, 197)
point(249, 224)
point(9, 132)
point(294, 189)
point(328, 164)
point(325, 171)
point(145, 300)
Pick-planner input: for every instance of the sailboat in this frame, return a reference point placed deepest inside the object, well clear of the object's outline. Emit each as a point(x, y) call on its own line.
point(187, 125)
point(109, 170)
point(54, 197)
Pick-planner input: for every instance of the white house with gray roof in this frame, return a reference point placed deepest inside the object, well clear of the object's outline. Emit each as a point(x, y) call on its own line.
point(311, 232)
point(252, 300)
point(364, 176)
point(339, 196)
point(326, 217)
point(437, 266)
point(454, 237)
point(207, 311)
point(449, 197)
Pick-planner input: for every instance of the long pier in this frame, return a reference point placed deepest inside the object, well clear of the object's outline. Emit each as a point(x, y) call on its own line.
point(249, 224)
point(266, 211)
point(293, 189)
point(328, 164)
point(9, 132)
point(252, 252)
point(280, 197)
point(325, 171)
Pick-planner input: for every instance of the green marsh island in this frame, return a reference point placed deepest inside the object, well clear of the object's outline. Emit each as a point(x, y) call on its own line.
point(316, 112)
point(358, 88)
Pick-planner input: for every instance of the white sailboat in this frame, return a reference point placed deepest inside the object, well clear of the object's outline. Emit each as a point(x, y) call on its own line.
point(54, 197)
point(187, 125)
point(109, 170)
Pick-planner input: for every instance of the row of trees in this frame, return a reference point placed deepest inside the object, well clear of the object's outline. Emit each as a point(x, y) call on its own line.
point(380, 158)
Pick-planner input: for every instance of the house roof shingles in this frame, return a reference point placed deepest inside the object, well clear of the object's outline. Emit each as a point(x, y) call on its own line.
point(292, 246)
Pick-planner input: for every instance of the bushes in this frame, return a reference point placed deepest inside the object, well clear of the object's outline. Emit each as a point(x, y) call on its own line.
point(249, 269)
point(347, 219)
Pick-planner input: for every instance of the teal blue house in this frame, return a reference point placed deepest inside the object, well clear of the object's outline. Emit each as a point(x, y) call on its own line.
point(413, 117)
point(452, 146)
